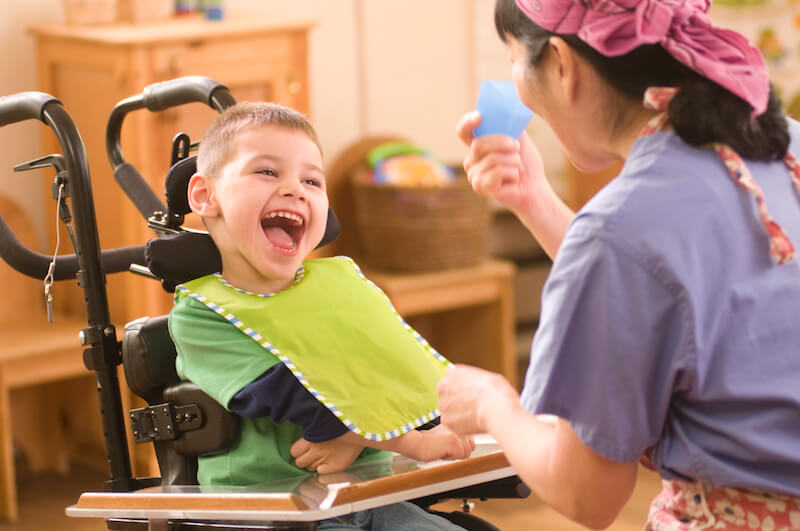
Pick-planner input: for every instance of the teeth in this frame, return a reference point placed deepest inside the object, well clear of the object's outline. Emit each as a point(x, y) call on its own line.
point(297, 220)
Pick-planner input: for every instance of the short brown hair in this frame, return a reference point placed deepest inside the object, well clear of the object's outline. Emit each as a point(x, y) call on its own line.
point(216, 143)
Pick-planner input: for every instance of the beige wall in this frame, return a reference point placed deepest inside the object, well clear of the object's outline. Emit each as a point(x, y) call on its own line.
point(408, 68)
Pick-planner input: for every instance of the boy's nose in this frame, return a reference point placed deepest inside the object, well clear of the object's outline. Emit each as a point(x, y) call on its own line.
point(292, 188)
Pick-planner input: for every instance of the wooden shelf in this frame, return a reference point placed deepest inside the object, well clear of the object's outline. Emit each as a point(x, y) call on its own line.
point(31, 355)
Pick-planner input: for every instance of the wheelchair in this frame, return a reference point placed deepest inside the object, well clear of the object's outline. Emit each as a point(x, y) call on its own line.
point(179, 419)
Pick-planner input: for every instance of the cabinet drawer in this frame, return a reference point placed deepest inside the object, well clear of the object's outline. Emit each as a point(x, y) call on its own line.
point(278, 58)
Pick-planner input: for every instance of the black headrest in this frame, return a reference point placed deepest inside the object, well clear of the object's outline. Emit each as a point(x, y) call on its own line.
point(182, 257)
point(185, 256)
point(177, 183)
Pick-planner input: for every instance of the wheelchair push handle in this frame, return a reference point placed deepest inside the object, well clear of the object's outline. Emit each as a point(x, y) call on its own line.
point(33, 264)
point(48, 109)
point(175, 92)
point(156, 97)
point(24, 106)
point(102, 352)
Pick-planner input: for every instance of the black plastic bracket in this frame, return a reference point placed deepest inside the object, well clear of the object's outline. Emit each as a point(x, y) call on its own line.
point(104, 349)
point(164, 422)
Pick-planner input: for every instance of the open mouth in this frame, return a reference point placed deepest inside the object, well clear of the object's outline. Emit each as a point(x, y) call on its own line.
point(284, 230)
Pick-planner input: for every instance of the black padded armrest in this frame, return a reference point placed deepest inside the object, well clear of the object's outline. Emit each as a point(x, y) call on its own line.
point(219, 430)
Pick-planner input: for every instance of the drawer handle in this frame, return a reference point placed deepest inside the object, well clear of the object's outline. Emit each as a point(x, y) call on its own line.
point(294, 86)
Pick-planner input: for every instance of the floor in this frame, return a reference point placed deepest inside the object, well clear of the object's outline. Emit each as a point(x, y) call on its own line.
point(531, 514)
point(43, 499)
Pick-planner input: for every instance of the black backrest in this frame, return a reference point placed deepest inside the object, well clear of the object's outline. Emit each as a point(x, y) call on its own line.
point(180, 420)
point(148, 356)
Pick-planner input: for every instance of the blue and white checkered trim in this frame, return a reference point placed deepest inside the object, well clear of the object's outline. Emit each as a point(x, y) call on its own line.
point(298, 276)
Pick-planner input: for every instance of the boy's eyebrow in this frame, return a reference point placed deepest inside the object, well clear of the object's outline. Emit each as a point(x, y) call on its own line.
point(278, 158)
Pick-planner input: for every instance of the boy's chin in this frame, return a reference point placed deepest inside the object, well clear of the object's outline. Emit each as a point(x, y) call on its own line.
point(285, 270)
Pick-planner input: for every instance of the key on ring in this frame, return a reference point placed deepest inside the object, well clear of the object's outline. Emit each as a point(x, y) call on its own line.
point(48, 296)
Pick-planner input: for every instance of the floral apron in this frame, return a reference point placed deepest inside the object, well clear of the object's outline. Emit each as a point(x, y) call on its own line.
point(684, 506)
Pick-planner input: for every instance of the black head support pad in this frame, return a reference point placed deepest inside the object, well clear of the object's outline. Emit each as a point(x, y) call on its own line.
point(188, 255)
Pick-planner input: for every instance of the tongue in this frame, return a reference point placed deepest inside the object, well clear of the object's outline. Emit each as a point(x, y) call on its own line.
point(279, 237)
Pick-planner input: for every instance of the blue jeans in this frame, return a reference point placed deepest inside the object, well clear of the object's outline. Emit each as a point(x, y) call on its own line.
point(398, 516)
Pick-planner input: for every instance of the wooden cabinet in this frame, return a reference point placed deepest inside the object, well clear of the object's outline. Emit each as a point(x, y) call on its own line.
point(90, 69)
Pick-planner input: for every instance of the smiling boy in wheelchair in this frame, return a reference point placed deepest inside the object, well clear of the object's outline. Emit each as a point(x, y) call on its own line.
point(310, 353)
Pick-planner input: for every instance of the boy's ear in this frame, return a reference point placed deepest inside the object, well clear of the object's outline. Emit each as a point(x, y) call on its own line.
point(201, 196)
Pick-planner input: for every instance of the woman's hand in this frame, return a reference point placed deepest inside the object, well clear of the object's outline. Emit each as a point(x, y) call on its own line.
point(501, 167)
point(326, 457)
point(468, 396)
point(512, 173)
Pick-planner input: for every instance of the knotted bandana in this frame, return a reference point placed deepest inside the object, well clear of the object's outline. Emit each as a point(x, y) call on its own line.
point(681, 27)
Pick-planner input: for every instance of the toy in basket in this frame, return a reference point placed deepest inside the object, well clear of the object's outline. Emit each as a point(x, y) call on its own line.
point(414, 213)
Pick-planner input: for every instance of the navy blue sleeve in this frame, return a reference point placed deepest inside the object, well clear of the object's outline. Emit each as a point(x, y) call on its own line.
point(279, 395)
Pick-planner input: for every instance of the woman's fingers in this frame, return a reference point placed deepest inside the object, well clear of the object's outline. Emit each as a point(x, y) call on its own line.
point(494, 171)
point(493, 161)
point(466, 125)
point(485, 146)
point(460, 393)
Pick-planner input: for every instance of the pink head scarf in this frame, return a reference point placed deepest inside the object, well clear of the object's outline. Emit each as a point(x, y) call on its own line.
point(681, 27)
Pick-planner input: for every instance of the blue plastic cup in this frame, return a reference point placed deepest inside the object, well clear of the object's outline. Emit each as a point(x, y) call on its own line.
point(502, 113)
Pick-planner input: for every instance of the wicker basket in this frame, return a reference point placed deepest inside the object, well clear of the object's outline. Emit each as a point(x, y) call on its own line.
point(419, 229)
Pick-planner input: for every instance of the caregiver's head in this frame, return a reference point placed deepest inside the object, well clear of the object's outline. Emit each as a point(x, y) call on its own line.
point(584, 66)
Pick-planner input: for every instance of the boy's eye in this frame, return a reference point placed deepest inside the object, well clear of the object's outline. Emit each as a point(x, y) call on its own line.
point(313, 182)
point(268, 171)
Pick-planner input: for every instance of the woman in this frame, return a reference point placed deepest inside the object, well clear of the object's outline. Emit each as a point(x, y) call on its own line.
point(669, 327)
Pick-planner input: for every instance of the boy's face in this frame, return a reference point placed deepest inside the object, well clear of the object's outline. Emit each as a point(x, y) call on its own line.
point(267, 209)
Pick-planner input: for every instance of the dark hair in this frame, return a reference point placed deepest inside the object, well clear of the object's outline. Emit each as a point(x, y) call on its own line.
point(700, 113)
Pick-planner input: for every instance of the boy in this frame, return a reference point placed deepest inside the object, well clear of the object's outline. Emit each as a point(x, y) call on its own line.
point(317, 362)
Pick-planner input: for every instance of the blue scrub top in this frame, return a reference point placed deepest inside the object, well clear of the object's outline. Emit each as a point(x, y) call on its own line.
point(666, 329)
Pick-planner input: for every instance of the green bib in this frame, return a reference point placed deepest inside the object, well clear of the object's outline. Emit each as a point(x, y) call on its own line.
point(341, 338)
